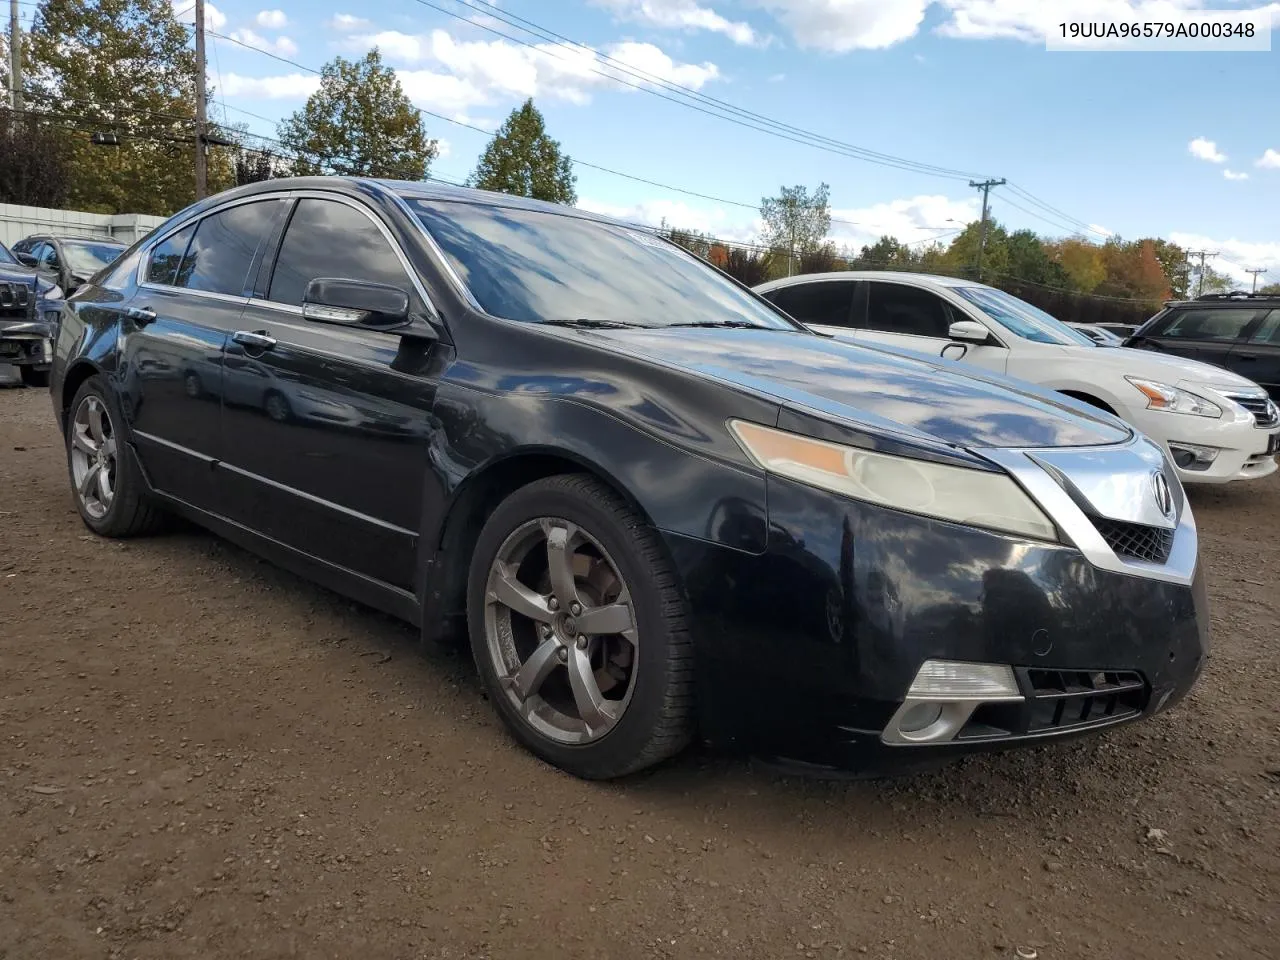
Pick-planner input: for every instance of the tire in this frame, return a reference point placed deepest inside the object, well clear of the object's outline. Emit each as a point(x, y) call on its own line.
point(619, 569)
point(276, 406)
point(128, 511)
point(31, 377)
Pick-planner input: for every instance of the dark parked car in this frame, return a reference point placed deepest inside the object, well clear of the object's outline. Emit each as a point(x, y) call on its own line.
point(28, 317)
point(658, 507)
point(1239, 331)
point(68, 261)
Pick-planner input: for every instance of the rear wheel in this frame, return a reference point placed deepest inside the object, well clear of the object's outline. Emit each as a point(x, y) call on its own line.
point(31, 377)
point(578, 630)
point(107, 484)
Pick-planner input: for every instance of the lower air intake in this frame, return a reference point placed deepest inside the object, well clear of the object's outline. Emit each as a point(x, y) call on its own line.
point(1136, 540)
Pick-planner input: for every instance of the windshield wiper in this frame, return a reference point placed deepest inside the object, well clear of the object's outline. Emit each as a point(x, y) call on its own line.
point(589, 323)
point(734, 324)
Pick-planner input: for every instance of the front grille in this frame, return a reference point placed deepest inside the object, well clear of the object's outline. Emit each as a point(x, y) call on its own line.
point(1136, 540)
point(1059, 701)
point(16, 301)
point(1263, 410)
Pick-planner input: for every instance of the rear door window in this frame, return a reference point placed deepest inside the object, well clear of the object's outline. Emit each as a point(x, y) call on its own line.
point(224, 247)
point(1208, 323)
point(166, 258)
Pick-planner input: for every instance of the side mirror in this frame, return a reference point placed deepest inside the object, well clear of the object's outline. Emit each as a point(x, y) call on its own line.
point(969, 331)
point(356, 303)
point(26, 259)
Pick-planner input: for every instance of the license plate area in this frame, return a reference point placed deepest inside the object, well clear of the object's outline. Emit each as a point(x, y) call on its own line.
point(1273, 444)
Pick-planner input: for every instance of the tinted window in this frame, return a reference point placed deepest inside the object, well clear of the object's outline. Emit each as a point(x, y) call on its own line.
point(223, 248)
point(895, 308)
point(166, 257)
point(823, 301)
point(1223, 323)
point(6, 256)
point(1269, 332)
point(330, 239)
point(540, 265)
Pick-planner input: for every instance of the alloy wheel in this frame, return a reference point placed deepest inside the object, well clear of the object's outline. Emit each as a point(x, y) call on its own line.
point(561, 630)
point(93, 456)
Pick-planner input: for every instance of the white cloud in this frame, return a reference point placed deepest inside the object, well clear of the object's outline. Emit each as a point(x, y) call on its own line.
point(185, 11)
point(1234, 255)
point(457, 74)
point(681, 15)
point(271, 19)
point(1233, 175)
point(1203, 149)
point(443, 148)
point(711, 219)
point(280, 45)
point(289, 86)
point(843, 25)
point(1269, 159)
point(1101, 230)
point(345, 22)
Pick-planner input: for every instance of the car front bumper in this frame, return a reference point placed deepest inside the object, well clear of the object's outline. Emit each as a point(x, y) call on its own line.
point(806, 652)
point(1240, 444)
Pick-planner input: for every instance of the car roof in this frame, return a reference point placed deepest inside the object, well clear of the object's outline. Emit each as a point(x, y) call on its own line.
point(1239, 299)
point(900, 276)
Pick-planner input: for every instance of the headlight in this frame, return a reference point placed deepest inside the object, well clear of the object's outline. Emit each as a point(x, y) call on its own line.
point(1161, 396)
point(53, 293)
point(975, 497)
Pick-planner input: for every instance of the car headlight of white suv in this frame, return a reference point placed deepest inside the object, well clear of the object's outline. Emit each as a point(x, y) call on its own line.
point(1161, 396)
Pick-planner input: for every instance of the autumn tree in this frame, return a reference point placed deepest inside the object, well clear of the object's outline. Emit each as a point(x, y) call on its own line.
point(125, 67)
point(523, 160)
point(359, 123)
point(1132, 270)
point(1082, 262)
point(796, 222)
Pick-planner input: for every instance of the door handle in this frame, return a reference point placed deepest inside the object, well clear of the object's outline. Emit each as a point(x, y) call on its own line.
point(1247, 356)
point(254, 339)
point(141, 315)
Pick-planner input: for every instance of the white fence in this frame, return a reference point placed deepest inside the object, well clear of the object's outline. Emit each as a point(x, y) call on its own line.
point(17, 222)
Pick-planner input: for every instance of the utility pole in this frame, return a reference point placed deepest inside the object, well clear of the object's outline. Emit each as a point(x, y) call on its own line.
point(1201, 254)
point(201, 171)
point(1255, 271)
point(15, 58)
point(985, 186)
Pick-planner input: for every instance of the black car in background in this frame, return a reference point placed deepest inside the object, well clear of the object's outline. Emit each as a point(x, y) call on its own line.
point(67, 261)
point(28, 318)
point(659, 507)
point(1239, 331)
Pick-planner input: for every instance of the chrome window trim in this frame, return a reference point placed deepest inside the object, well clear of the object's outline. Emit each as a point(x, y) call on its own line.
point(1021, 464)
point(144, 261)
point(442, 259)
point(187, 291)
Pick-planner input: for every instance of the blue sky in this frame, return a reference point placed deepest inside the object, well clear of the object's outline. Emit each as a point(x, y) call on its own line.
point(1181, 145)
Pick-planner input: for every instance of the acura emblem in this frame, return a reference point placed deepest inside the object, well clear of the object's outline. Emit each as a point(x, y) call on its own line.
point(1163, 495)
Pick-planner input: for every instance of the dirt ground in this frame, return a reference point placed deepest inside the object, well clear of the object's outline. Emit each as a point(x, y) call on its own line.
point(203, 756)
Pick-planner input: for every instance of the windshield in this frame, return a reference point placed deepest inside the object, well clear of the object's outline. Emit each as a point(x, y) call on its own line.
point(6, 256)
point(1021, 318)
point(86, 259)
point(544, 267)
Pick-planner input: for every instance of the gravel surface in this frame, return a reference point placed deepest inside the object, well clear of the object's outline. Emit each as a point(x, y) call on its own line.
point(203, 756)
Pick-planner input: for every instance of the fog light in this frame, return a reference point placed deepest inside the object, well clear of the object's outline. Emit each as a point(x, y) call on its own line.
point(918, 716)
point(1193, 456)
point(944, 695)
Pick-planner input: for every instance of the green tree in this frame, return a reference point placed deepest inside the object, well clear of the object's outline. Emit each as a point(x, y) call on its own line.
point(121, 66)
point(1173, 261)
point(1212, 282)
point(523, 160)
point(360, 124)
point(34, 161)
point(962, 254)
point(1270, 288)
point(885, 252)
point(1029, 260)
point(796, 222)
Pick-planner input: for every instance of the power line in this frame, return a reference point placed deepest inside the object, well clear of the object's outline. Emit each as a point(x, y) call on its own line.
point(702, 102)
point(1201, 254)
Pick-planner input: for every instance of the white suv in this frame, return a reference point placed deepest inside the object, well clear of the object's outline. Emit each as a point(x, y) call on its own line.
point(1215, 425)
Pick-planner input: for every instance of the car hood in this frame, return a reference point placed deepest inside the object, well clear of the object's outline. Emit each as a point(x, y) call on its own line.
point(861, 385)
point(23, 274)
point(1167, 368)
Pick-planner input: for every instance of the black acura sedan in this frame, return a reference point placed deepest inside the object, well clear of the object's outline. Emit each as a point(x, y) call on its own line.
point(658, 507)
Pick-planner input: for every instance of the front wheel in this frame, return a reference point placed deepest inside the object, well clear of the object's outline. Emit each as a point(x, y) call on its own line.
point(579, 631)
